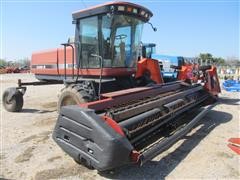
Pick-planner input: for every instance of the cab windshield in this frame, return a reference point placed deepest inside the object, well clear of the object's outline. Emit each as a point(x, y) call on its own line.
point(116, 38)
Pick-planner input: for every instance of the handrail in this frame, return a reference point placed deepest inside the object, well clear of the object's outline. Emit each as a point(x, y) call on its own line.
point(65, 59)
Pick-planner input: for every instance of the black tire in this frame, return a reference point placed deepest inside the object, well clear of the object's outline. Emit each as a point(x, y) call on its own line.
point(16, 102)
point(73, 95)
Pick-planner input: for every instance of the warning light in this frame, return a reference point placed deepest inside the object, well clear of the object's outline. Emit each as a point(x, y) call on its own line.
point(129, 9)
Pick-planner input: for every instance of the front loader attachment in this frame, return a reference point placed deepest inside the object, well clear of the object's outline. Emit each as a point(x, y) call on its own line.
point(130, 126)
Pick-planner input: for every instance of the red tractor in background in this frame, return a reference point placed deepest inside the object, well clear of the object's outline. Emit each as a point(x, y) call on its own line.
point(115, 108)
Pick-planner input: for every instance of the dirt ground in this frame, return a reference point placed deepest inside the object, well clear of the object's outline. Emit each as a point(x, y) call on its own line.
point(28, 151)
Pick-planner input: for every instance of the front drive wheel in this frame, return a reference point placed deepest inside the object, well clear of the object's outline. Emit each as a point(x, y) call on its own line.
point(13, 104)
point(73, 95)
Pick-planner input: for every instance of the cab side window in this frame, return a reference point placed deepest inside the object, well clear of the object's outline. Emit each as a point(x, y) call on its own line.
point(89, 42)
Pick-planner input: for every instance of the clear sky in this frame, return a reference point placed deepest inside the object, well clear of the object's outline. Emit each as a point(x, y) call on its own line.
point(185, 28)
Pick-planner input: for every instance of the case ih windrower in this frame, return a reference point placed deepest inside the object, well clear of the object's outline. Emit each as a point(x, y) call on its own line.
point(115, 108)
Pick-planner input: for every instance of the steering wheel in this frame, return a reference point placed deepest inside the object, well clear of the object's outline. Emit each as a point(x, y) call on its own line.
point(121, 36)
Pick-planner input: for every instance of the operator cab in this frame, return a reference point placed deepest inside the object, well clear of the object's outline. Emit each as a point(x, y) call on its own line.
point(148, 49)
point(112, 31)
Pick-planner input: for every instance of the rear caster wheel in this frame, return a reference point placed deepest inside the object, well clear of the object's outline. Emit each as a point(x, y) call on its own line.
point(12, 100)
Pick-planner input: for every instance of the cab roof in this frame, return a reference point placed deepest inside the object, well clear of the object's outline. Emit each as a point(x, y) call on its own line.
point(116, 8)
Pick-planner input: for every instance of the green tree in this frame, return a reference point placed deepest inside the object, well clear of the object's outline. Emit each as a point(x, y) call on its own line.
point(3, 62)
point(209, 58)
point(22, 62)
point(205, 57)
point(219, 61)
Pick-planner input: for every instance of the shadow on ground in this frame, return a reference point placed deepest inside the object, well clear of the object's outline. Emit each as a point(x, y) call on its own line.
point(161, 169)
point(229, 101)
point(36, 111)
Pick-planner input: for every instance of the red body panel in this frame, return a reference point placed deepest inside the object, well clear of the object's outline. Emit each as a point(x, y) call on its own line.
point(45, 63)
point(234, 144)
point(110, 72)
point(212, 84)
point(186, 72)
point(211, 78)
point(113, 124)
point(120, 97)
point(151, 66)
point(46, 57)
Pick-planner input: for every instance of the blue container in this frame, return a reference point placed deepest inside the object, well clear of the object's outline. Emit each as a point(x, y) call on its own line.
point(231, 85)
